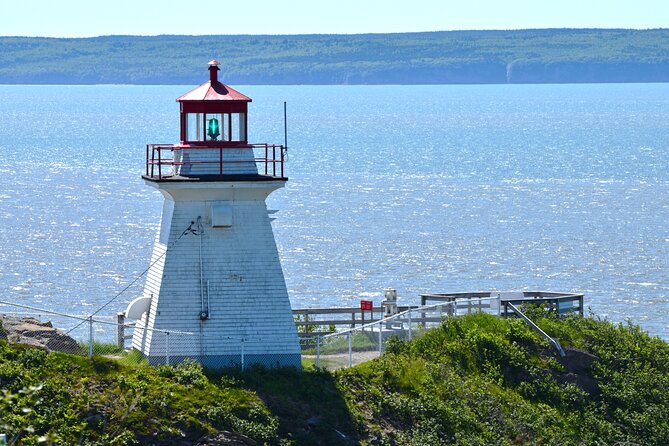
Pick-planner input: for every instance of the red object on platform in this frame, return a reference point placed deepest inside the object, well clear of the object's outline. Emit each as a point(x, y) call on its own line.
point(366, 305)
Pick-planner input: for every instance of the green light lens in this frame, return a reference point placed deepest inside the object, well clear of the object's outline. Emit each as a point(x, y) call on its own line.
point(212, 129)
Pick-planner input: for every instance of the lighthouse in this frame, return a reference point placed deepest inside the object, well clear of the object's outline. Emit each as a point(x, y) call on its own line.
point(215, 289)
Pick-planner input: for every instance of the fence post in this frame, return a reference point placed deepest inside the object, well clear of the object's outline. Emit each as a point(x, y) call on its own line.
point(409, 314)
point(380, 338)
point(90, 336)
point(350, 350)
point(242, 363)
point(423, 315)
point(120, 329)
point(318, 352)
point(167, 348)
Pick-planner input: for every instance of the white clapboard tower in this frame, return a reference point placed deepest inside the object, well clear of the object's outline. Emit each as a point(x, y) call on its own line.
point(215, 280)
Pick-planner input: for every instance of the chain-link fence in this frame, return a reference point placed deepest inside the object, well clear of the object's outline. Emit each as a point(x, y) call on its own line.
point(56, 331)
point(217, 352)
point(111, 336)
point(106, 335)
point(359, 344)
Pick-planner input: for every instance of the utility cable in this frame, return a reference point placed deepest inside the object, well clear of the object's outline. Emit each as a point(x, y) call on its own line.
point(188, 230)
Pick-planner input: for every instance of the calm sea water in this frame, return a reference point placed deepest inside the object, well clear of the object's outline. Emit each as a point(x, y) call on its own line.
point(421, 188)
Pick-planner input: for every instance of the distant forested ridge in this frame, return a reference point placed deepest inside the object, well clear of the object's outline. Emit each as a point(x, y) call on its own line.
point(449, 57)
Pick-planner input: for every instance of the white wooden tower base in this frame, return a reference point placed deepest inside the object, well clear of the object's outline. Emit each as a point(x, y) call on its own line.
point(220, 283)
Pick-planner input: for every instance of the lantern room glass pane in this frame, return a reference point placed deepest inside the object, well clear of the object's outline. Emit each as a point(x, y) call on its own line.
point(226, 127)
point(194, 127)
point(239, 126)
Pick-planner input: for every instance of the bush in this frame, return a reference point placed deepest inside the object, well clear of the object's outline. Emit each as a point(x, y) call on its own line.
point(475, 380)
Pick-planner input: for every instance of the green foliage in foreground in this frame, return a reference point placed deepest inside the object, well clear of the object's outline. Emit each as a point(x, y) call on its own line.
point(101, 402)
point(484, 380)
point(475, 380)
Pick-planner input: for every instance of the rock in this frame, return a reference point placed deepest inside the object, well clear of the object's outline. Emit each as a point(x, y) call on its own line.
point(225, 438)
point(578, 361)
point(578, 364)
point(30, 331)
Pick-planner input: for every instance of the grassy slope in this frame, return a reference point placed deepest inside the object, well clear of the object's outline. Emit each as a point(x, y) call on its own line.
point(475, 380)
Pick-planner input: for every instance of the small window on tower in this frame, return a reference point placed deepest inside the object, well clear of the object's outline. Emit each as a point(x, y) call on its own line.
point(221, 215)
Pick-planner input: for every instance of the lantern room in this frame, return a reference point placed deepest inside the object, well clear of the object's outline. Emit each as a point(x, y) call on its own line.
point(214, 142)
point(213, 114)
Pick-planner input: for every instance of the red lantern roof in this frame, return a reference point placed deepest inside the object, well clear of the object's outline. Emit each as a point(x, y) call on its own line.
point(213, 90)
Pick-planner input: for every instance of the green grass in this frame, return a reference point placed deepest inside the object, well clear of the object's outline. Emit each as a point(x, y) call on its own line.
point(339, 344)
point(102, 348)
point(474, 380)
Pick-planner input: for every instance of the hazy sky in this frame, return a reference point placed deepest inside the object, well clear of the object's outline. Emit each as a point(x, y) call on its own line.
point(83, 18)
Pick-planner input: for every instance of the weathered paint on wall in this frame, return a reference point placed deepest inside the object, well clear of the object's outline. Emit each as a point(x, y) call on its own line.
point(247, 296)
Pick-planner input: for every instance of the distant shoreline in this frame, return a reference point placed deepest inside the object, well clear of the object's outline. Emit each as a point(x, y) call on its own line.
point(533, 56)
point(334, 85)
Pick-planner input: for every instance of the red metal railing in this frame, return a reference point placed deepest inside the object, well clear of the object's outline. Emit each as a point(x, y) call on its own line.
point(173, 163)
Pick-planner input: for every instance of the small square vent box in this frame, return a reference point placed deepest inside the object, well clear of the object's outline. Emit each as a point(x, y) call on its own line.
point(221, 215)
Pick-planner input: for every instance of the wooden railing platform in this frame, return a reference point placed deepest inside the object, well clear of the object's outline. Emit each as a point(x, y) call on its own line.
point(562, 303)
point(307, 318)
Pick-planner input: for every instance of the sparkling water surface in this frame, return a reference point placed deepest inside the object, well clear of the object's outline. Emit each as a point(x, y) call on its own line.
point(420, 188)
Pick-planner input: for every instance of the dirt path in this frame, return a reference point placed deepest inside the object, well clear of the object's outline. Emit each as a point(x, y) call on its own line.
point(340, 360)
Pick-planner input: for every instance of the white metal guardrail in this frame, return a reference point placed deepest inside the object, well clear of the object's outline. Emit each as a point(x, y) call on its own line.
point(358, 344)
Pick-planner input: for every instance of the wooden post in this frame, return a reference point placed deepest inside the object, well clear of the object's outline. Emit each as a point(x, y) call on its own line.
point(120, 329)
point(423, 301)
